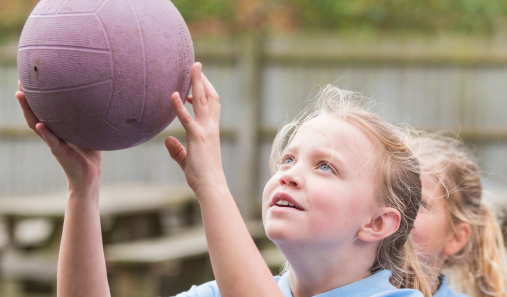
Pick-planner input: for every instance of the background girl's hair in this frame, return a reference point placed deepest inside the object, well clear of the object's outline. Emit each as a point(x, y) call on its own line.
point(399, 183)
point(480, 265)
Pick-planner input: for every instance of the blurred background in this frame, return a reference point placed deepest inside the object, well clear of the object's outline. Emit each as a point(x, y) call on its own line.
point(437, 65)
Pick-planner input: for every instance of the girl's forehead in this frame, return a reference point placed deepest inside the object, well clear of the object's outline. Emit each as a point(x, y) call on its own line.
point(331, 131)
point(431, 187)
point(343, 139)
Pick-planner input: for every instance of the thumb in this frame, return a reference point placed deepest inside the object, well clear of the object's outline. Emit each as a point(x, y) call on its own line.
point(176, 150)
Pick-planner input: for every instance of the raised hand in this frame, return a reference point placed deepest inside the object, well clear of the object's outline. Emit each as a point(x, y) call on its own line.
point(82, 166)
point(202, 161)
point(81, 254)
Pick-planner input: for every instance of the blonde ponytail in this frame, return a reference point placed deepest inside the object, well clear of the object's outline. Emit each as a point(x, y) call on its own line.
point(480, 265)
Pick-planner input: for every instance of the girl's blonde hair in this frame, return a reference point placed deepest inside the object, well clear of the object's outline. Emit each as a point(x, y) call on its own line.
point(480, 264)
point(398, 171)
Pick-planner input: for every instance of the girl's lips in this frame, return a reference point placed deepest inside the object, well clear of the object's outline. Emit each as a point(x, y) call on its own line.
point(284, 196)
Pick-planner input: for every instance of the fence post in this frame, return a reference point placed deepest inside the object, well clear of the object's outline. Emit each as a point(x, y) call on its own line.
point(250, 68)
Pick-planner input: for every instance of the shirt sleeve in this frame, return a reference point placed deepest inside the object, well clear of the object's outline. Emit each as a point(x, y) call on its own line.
point(209, 289)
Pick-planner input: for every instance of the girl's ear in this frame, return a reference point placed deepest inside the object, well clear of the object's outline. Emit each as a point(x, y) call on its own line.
point(458, 239)
point(382, 224)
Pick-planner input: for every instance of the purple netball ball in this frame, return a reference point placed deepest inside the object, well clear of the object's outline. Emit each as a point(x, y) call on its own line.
point(100, 73)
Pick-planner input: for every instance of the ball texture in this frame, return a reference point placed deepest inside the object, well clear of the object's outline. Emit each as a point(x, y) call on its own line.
point(100, 73)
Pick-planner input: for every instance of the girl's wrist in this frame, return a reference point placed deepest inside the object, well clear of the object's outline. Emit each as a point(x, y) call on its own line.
point(209, 188)
point(84, 191)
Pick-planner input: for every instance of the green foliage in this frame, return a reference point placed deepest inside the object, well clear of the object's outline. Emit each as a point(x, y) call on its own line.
point(199, 10)
point(418, 15)
point(409, 15)
point(321, 15)
point(13, 15)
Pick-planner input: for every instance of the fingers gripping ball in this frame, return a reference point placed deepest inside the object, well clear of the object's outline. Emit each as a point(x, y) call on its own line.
point(100, 73)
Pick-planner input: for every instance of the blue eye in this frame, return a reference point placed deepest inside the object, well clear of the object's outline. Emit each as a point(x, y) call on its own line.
point(325, 167)
point(288, 161)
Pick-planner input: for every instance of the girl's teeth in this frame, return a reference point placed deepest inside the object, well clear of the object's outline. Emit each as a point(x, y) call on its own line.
point(285, 203)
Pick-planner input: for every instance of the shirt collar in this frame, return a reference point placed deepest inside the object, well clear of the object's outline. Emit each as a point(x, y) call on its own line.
point(377, 283)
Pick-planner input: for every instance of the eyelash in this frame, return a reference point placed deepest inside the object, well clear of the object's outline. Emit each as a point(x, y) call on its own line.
point(333, 170)
point(285, 158)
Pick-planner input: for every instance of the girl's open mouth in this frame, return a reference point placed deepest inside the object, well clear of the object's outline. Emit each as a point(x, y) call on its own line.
point(285, 203)
point(285, 200)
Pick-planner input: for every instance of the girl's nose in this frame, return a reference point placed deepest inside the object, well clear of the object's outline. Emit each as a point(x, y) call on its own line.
point(289, 179)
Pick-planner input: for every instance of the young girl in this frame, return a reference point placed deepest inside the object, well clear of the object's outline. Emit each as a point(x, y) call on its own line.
point(340, 205)
point(454, 228)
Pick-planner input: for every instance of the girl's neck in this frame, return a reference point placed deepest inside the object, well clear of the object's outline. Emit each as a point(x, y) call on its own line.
point(315, 270)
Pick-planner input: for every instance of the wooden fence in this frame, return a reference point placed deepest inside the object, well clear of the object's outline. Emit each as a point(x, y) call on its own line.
point(453, 83)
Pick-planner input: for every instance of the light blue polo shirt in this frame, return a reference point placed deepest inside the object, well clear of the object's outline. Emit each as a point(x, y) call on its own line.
point(446, 291)
point(377, 285)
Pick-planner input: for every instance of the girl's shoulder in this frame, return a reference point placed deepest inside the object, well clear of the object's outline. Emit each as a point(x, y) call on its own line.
point(376, 286)
point(446, 291)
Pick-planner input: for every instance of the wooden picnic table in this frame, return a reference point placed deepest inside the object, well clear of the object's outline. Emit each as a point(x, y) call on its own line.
point(189, 243)
point(138, 266)
point(176, 261)
point(120, 199)
point(124, 202)
point(132, 211)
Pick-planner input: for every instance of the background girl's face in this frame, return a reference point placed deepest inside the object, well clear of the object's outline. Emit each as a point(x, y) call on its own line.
point(328, 174)
point(432, 226)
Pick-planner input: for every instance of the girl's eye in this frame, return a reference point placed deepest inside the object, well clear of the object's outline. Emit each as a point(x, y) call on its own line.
point(288, 161)
point(325, 167)
point(424, 205)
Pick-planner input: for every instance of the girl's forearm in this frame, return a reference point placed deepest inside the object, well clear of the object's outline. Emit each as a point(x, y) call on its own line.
point(237, 264)
point(81, 263)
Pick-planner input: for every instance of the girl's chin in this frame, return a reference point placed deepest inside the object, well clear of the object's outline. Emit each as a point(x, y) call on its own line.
point(279, 231)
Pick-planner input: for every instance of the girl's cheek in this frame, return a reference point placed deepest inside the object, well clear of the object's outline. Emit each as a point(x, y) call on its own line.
point(269, 188)
point(420, 232)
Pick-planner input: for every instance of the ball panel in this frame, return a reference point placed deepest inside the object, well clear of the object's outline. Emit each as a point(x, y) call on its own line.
point(126, 45)
point(77, 31)
point(53, 68)
point(48, 7)
point(76, 105)
point(92, 135)
point(162, 57)
point(81, 6)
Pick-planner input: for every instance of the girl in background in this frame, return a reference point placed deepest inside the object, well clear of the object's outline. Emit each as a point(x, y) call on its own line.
point(455, 229)
point(341, 204)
